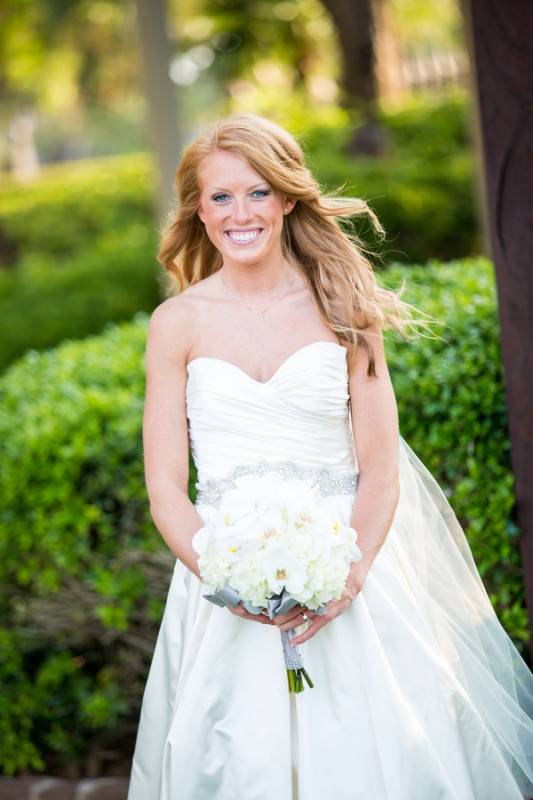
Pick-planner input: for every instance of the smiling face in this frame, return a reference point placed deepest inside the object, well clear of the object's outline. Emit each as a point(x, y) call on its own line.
point(242, 214)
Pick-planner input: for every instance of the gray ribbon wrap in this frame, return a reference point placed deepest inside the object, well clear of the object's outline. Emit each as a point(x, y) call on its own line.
point(278, 604)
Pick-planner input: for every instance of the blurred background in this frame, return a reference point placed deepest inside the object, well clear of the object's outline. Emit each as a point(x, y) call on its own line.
point(97, 98)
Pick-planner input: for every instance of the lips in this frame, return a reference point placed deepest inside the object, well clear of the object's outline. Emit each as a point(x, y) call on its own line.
point(243, 236)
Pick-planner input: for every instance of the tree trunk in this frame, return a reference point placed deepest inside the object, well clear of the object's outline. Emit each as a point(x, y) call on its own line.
point(478, 178)
point(504, 68)
point(355, 23)
point(23, 155)
point(161, 96)
point(389, 56)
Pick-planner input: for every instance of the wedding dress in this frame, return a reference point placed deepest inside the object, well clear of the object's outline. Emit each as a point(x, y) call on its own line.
point(419, 693)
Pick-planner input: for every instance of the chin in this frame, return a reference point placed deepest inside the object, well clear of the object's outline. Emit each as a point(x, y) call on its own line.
point(246, 254)
point(249, 258)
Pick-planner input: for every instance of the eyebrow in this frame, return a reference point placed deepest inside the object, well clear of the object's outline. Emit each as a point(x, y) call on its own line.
point(221, 189)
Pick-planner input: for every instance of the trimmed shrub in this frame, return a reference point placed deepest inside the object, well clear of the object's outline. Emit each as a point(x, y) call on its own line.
point(78, 249)
point(110, 280)
point(421, 189)
point(453, 413)
point(84, 573)
point(72, 204)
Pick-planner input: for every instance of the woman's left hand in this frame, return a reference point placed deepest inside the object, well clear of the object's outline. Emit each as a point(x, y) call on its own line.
point(354, 584)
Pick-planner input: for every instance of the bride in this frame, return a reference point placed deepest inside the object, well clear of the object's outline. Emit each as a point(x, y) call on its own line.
point(270, 359)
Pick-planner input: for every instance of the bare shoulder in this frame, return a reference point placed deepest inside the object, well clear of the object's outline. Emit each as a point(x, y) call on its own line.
point(174, 322)
point(169, 330)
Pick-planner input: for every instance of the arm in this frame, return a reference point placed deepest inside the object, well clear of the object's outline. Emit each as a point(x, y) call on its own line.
point(165, 434)
point(376, 434)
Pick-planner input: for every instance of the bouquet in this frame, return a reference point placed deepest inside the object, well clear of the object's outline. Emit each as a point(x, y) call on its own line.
point(274, 543)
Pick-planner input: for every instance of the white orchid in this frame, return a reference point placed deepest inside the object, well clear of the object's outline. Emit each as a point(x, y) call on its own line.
point(282, 569)
point(273, 539)
point(269, 535)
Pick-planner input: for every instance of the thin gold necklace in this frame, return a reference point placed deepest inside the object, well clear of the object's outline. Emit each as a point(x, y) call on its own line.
point(261, 313)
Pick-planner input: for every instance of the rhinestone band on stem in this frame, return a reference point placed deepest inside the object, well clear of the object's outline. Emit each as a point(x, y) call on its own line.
point(211, 490)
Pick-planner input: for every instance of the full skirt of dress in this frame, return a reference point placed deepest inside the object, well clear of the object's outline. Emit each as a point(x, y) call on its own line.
point(419, 693)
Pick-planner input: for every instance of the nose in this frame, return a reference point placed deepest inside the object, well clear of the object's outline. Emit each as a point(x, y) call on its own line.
point(241, 211)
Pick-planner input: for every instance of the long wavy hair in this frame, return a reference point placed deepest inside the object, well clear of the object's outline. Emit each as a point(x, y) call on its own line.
point(333, 261)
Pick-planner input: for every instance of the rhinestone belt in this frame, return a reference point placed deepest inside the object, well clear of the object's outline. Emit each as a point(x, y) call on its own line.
point(211, 490)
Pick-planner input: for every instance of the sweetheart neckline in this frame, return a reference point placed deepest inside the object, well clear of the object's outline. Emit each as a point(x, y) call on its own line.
point(277, 371)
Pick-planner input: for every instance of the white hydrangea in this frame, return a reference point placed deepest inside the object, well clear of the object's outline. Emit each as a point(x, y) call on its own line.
point(270, 535)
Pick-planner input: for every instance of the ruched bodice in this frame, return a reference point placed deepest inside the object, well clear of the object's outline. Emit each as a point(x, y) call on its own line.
point(302, 410)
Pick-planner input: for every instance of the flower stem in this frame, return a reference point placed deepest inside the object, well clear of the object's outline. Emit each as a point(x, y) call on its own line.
point(295, 680)
point(307, 678)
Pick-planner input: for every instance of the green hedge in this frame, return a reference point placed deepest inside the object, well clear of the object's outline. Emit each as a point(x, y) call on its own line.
point(83, 571)
point(453, 413)
point(41, 305)
point(421, 190)
point(72, 204)
point(78, 249)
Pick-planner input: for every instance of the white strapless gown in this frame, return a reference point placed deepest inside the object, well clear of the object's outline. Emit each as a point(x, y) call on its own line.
point(419, 693)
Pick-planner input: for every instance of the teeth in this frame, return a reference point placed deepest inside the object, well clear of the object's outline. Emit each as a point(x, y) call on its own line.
point(243, 237)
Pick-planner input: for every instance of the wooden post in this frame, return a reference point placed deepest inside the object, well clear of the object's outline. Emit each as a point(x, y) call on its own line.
point(501, 35)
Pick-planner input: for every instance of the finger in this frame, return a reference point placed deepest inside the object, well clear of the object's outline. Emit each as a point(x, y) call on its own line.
point(256, 617)
point(280, 619)
point(317, 624)
point(287, 620)
point(296, 621)
point(288, 617)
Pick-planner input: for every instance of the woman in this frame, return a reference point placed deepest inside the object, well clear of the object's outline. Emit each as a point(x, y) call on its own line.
point(418, 691)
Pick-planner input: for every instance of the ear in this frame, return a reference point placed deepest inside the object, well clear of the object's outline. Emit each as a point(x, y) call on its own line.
point(201, 214)
point(288, 205)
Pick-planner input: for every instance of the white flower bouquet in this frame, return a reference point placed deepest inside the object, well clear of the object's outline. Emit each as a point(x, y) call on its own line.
point(273, 544)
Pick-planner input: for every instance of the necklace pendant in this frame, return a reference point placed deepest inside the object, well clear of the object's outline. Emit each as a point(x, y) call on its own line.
point(260, 314)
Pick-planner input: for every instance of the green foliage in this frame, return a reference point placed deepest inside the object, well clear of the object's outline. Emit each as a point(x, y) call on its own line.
point(78, 246)
point(83, 571)
point(424, 27)
point(72, 204)
point(421, 189)
point(77, 548)
point(42, 303)
point(453, 413)
point(58, 55)
point(88, 253)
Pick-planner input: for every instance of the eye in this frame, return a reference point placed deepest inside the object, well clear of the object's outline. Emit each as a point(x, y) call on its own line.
point(220, 197)
point(262, 192)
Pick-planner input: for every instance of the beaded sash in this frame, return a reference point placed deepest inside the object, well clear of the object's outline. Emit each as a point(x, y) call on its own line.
point(327, 481)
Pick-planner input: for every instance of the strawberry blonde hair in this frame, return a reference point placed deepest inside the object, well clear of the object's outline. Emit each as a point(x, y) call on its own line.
point(340, 277)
